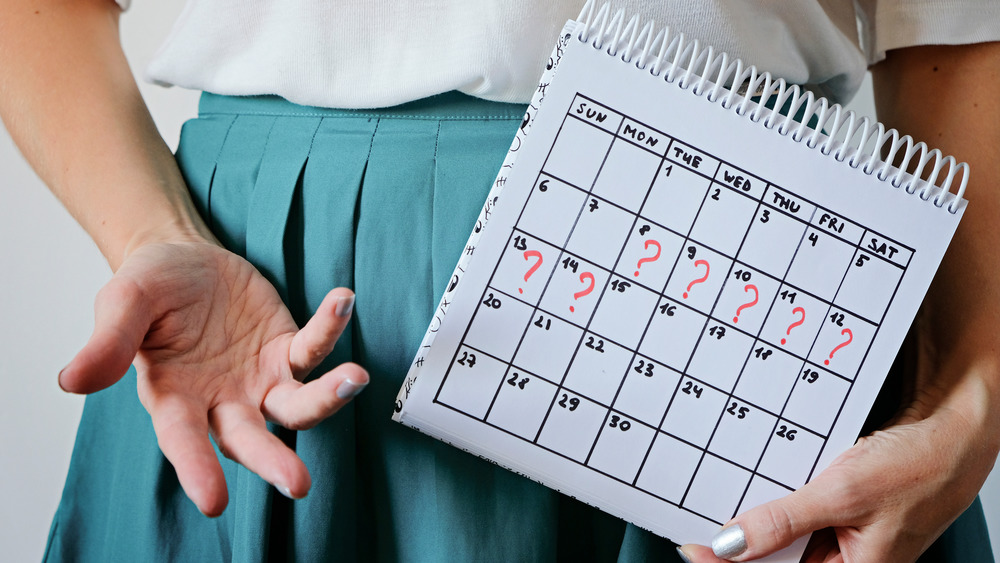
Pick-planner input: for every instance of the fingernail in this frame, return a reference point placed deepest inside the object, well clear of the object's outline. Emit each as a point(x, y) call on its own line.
point(285, 491)
point(344, 306)
point(684, 556)
point(348, 389)
point(729, 542)
point(59, 380)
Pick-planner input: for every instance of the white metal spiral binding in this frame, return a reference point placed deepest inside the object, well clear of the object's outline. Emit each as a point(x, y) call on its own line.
point(858, 141)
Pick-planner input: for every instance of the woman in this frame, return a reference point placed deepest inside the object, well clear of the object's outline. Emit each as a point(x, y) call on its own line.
point(381, 201)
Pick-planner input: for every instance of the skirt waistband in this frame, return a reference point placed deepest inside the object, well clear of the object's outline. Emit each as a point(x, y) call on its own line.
point(447, 106)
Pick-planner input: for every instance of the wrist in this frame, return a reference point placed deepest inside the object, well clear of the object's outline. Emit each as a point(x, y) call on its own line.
point(170, 232)
point(158, 209)
point(971, 409)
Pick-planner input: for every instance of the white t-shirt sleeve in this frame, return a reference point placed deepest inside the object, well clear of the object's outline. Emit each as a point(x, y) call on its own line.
point(894, 24)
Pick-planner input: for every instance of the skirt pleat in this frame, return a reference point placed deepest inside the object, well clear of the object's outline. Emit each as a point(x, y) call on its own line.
point(236, 168)
point(211, 133)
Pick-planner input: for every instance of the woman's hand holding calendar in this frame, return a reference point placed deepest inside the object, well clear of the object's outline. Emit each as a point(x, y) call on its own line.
point(892, 494)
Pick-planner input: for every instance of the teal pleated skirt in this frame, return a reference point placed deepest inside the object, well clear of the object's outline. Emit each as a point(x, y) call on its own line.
point(381, 202)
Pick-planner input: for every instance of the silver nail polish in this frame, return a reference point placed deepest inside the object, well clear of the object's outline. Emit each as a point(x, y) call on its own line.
point(285, 491)
point(344, 306)
point(729, 542)
point(682, 555)
point(348, 389)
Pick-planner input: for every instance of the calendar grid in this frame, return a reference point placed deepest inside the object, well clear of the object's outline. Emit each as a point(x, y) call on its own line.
point(611, 341)
point(612, 476)
point(735, 383)
point(851, 383)
point(680, 304)
point(466, 332)
point(709, 247)
point(520, 215)
point(641, 337)
point(780, 417)
point(624, 381)
point(590, 317)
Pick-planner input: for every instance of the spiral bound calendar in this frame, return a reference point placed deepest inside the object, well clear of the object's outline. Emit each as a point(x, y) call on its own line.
point(678, 304)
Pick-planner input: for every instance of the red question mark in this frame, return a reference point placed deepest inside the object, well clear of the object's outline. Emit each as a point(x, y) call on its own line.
point(584, 276)
point(531, 254)
point(644, 260)
point(739, 309)
point(850, 337)
point(699, 280)
point(796, 311)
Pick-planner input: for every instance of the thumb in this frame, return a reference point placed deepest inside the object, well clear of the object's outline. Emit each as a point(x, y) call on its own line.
point(122, 318)
point(773, 526)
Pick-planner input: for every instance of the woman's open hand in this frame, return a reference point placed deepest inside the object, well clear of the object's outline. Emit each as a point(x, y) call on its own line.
point(217, 353)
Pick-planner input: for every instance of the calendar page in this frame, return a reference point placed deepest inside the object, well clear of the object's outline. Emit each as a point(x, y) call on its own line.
point(674, 313)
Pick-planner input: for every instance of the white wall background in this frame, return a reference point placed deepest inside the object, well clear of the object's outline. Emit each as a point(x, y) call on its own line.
point(49, 275)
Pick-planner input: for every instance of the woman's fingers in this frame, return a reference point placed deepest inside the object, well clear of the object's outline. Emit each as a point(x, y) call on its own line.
point(775, 525)
point(181, 427)
point(315, 341)
point(693, 553)
point(823, 548)
point(770, 527)
point(122, 317)
point(214, 341)
point(300, 406)
point(242, 436)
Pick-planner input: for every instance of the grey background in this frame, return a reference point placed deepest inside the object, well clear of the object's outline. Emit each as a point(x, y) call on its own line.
point(51, 272)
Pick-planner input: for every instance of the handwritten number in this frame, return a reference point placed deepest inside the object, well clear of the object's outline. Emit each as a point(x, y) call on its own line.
point(617, 422)
point(691, 252)
point(810, 376)
point(573, 403)
point(520, 244)
point(468, 360)
point(620, 285)
point(737, 411)
point(648, 371)
point(715, 195)
point(598, 347)
point(491, 302)
point(786, 433)
point(691, 389)
point(765, 216)
point(513, 382)
point(543, 185)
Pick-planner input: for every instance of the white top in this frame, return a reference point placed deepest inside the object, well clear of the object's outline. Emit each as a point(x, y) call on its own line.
point(375, 54)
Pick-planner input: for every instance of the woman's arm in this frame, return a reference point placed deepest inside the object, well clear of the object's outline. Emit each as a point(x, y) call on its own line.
point(215, 349)
point(891, 495)
point(68, 98)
